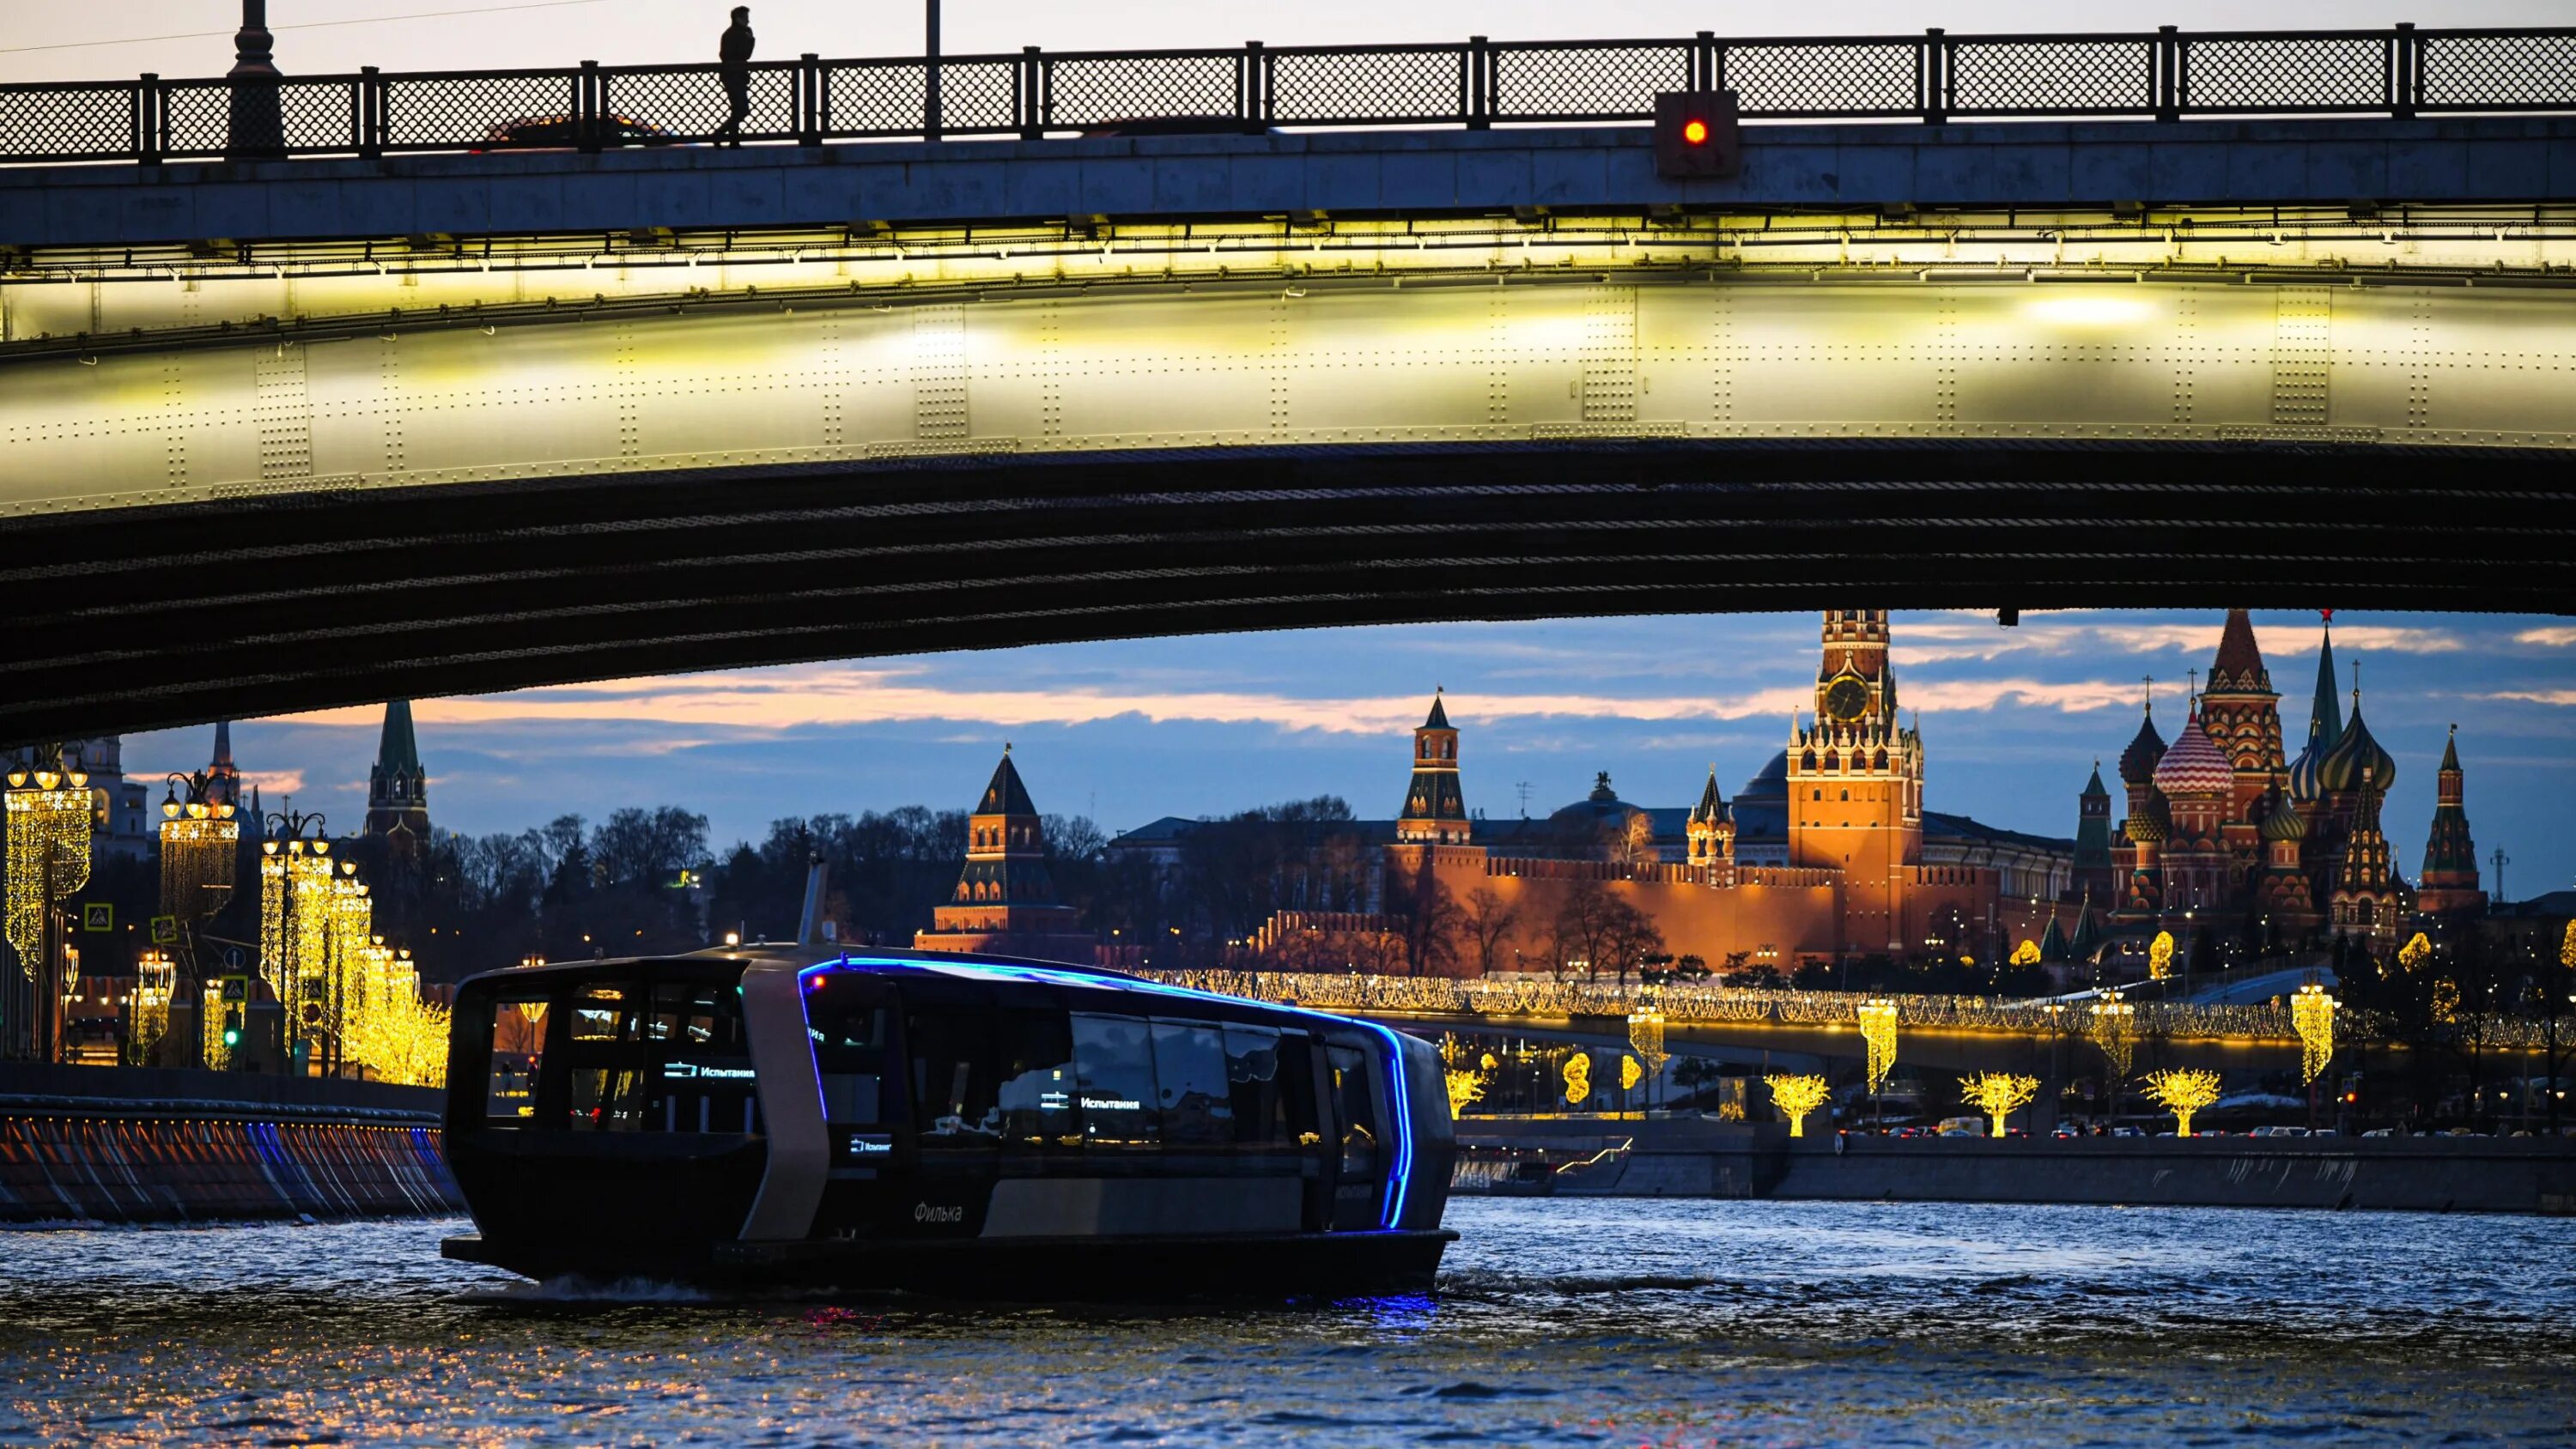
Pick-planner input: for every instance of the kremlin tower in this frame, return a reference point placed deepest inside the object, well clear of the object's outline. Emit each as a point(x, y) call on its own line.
point(1856, 779)
point(2450, 881)
point(1005, 898)
point(1435, 810)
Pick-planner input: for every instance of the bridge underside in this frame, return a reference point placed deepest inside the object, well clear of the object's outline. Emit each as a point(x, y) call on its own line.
point(277, 604)
point(451, 475)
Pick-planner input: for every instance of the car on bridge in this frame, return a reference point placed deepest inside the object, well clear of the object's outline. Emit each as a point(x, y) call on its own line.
point(563, 133)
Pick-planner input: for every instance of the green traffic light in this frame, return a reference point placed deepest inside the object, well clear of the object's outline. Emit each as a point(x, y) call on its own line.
point(231, 1037)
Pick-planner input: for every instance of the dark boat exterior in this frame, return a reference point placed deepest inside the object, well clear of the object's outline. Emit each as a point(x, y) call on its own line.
point(967, 1126)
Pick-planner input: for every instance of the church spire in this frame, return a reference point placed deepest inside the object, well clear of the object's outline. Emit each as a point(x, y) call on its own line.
point(223, 778)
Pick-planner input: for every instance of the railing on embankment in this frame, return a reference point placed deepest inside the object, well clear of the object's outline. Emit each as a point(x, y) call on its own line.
point(153, 1146)
point(1684, 1157)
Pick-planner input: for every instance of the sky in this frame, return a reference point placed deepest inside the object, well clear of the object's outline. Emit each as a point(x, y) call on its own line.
point(1127, 732)
point(618, 32)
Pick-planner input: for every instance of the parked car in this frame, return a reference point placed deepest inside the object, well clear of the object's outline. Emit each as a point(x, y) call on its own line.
point(563, 133)
point(1962, 1127)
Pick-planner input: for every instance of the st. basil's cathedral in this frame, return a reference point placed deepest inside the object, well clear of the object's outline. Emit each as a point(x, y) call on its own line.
point(2224, 827)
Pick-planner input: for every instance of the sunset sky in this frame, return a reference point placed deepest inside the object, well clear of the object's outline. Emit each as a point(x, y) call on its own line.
point(1127, 732)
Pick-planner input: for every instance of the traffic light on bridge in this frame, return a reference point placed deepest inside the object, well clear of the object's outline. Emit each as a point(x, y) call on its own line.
point(1696, 136)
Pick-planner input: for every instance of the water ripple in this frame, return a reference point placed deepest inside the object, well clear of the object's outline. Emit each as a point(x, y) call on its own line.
point(1666, 1324)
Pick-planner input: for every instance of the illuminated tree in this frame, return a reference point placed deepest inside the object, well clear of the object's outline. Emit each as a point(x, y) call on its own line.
point(1796, 1096)
point(1578, 1079)
point(2113, 1031)
point(2567, 948)
point(2183, 1091)
point(1465, 1085)
point(2312, 1013)
point(2160, 956)
point(1999, 1094)
point(2412, 955)
point(405, 1041)
point(1878, 1030)
point(2025, 954)
point(1646, 1038)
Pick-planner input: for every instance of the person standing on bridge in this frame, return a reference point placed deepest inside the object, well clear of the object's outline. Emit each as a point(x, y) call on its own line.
point(733, 56)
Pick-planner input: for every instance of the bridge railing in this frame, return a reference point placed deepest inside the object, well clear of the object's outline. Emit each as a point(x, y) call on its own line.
point(1935, 77)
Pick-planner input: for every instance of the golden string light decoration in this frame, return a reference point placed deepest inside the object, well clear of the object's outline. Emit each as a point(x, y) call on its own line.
point(2567, 947)
point(1630, 1074)
point(1646, 1038)
point(2113, 1031)
point(1796, 1096)
point(1578, 1079)
point(1998, 1094)
point(2182, 1091)
point(1878, 1032)
point(2312, 1015)
point(49, 815)
point(156, 979)
point(199, 842)
point(2160, 956)
point(2025, 954)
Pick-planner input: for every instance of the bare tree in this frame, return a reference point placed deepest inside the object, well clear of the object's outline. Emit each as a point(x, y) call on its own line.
point(1431, 920)
point(1490, 922)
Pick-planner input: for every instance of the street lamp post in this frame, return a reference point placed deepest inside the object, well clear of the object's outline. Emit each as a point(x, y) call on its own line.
point(258, 121)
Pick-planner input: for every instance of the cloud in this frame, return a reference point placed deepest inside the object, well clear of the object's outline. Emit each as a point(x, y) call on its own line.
point(2557, 636)
point(274, 782)
point(2534, 696)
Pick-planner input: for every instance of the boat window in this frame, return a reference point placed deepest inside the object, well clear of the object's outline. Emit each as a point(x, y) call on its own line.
point(1189, 1067)
point(1355, 1108)
point(1252, 1083)
point(518, 1051)
point(600, 1013)
point(708, 1082)
point(952, 1079)
point(1114, 1057)
point(849, 1054)
point(1038, 1079)
point(609, 1099)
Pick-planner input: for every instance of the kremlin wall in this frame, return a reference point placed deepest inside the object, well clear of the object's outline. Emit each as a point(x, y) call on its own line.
point(1828, 854)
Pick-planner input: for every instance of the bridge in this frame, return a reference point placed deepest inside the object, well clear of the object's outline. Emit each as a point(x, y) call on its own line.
point(348, 410)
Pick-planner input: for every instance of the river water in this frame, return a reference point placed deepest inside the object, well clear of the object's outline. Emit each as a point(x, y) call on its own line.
point(1655, 1323)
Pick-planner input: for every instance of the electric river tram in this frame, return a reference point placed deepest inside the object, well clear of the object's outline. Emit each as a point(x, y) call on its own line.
point(954, 1125)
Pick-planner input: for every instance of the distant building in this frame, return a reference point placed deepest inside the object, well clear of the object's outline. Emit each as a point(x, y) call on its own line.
point(1827, 852)
point(1005, 900)
point(2223, 831)
point(125, 822)
point(397, 787)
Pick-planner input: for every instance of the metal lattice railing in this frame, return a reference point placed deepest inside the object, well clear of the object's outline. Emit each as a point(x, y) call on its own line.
point(2401, 72)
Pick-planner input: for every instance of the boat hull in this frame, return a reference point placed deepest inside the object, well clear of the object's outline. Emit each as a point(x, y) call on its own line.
point(1150, 1269)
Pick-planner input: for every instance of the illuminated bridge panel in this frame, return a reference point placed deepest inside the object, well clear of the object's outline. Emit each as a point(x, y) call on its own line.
point(1418, 365)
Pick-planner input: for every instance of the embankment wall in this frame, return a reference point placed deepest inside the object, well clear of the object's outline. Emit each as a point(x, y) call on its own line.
point(163, 1146)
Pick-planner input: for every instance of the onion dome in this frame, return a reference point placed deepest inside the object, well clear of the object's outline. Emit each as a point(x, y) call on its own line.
point(2138, 761)
point(2283, 822)
point(2356, 754)
point(2307, 772)
point(2195, 765)
point(2150, 826)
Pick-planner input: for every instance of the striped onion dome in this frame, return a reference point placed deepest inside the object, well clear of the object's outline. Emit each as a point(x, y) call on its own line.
point(2307, 772)
point(2343, 765)
point(2151, 825)
point(2194, 765)
point(2284, 822)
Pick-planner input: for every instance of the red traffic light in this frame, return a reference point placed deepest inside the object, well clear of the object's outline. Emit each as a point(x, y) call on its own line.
point(1696, 135)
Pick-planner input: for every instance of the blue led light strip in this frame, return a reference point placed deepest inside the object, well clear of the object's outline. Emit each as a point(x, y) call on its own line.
point(1399, 1107)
